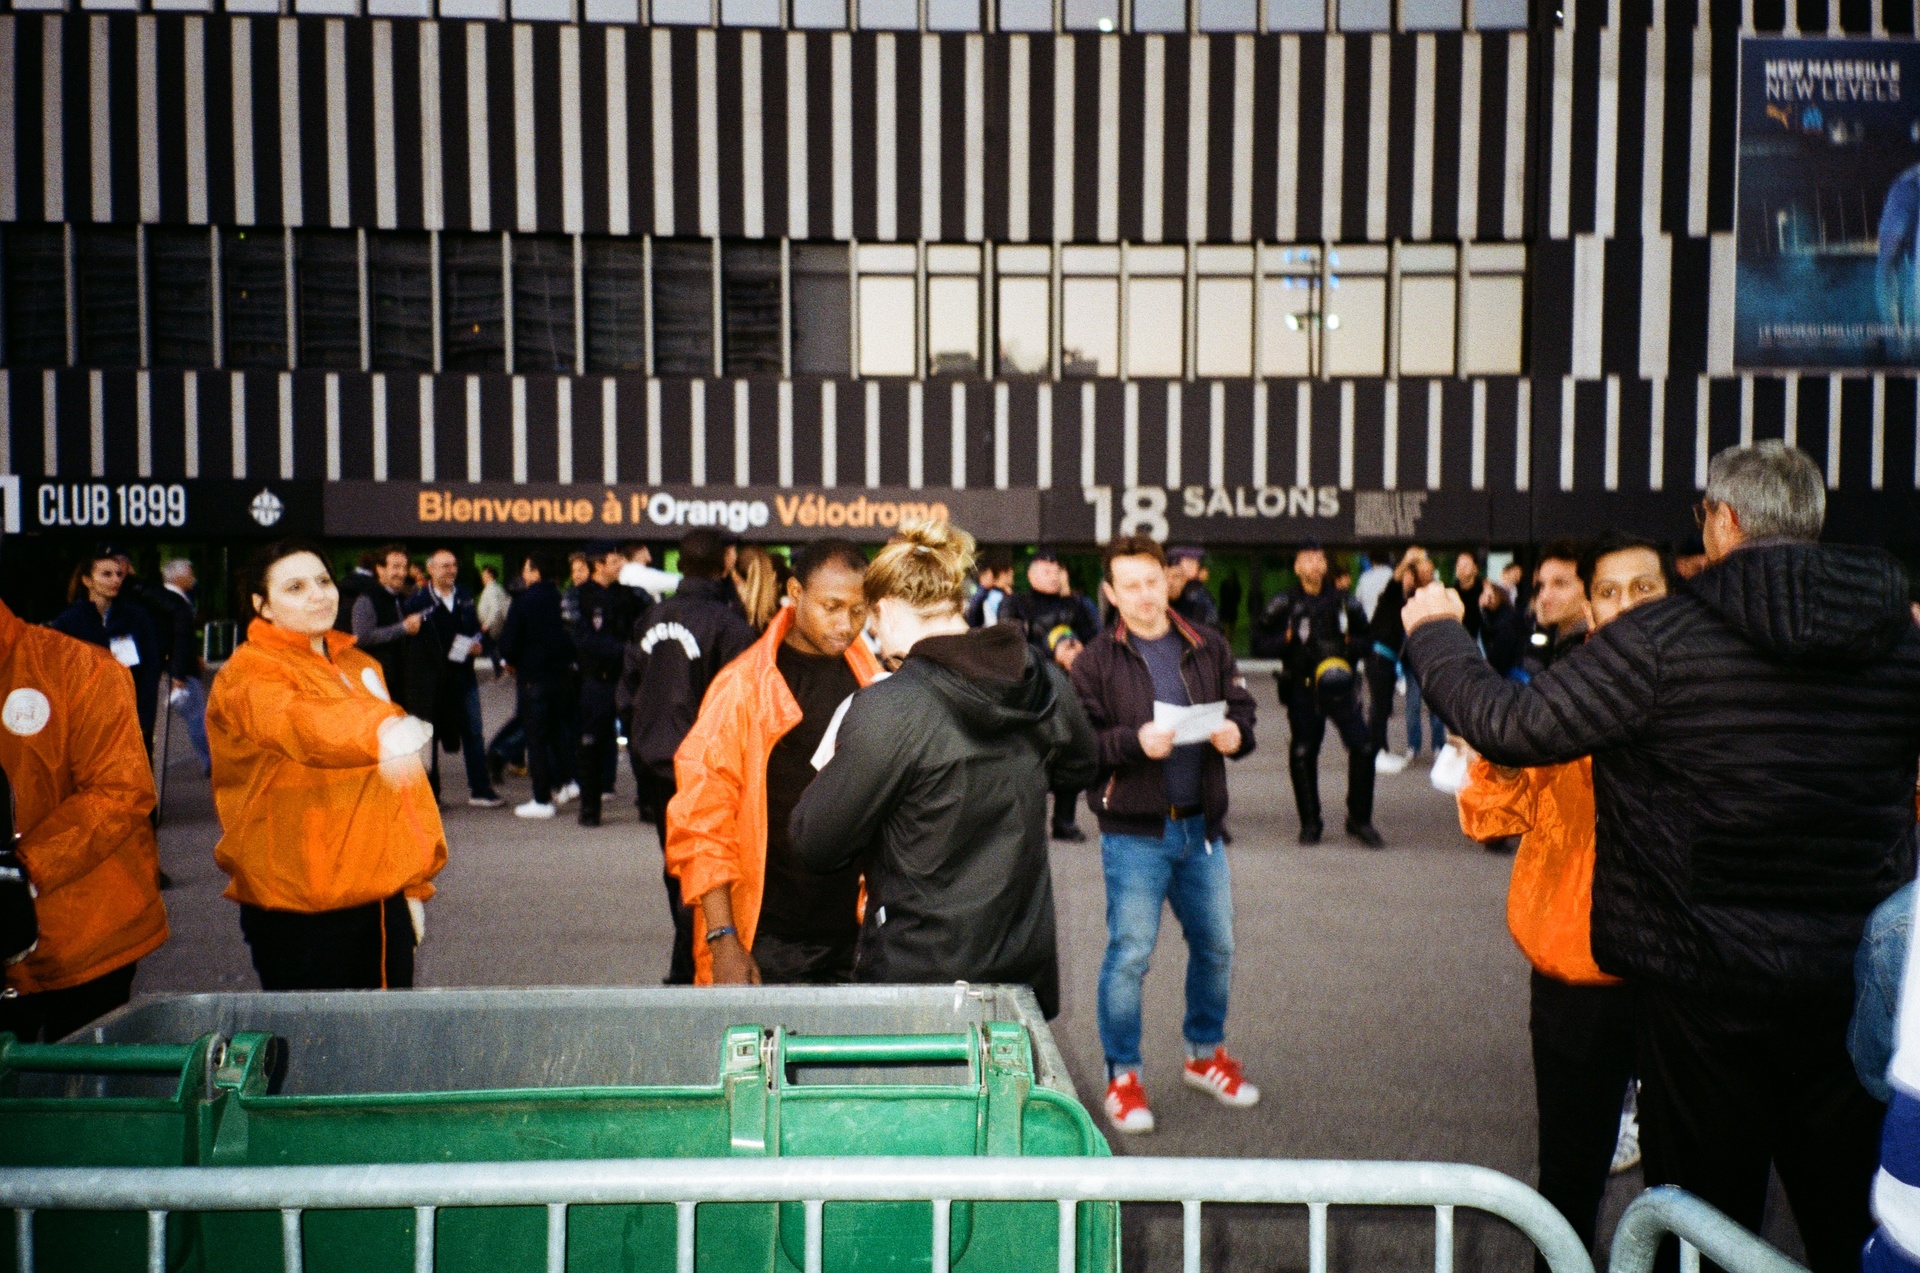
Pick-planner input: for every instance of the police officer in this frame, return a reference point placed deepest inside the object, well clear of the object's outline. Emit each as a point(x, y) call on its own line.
point(1320, 632)
point(608, 611)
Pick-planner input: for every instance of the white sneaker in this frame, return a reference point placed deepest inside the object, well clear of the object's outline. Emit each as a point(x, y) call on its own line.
point(1387, 762)
point(567, 795)
point(485, 802)
point(533, 809)
point(1626, 1150)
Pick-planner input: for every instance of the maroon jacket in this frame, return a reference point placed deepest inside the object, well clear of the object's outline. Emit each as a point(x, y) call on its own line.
point(1130, 795)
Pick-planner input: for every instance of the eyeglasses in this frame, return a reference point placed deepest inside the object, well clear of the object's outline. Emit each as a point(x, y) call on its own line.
point(1701, 512)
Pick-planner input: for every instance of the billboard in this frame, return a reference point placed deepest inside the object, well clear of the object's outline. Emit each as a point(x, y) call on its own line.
point(1827, 204)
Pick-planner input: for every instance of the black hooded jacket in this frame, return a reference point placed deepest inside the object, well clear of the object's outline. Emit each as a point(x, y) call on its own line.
point(1754, 741)
point(939, 784)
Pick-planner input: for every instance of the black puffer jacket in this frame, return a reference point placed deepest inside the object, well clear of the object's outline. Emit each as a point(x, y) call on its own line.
point(1754, 742)
point(939, 783)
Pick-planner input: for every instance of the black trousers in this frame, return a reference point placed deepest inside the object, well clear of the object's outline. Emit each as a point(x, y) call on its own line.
point(1309, 728)
point(51, 1015)
point(787, 961)
point(1727, 1089)
point(1066, 802)
point(546, 713)
point(654, 793)
point(598, 743)
point(1583, 1059)
point(1382, 675)
point(360, 948)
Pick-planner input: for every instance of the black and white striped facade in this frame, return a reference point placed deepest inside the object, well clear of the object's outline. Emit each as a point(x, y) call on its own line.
point(1605, 144)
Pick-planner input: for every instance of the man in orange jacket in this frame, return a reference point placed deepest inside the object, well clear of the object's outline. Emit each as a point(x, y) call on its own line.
point(70, 744)
point(741, 770)
point(1581, 1019)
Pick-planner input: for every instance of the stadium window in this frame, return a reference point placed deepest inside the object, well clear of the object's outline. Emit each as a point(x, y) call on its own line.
point(1026, 15)
point(107, 277)
point(1289, 311)
point(1500, 15)
point(696, 13)
point(1089, 15)
point(750, 307)
point(180, 297)
point(1430, 15)
point(821, 310)
point(818, 15)
point(1355, 309)
point(1089, 311)
point(954, 15)
point(543, 335)
point(750, 13)
point(1223, 311)
point(887, 318)
point(1366, 15)
point(1023, 321)
point(683, 307)
point(953, 310)
point(1160, 15)
point(1428, 308)
point(615, 276)
point(327, 273)
point(473, 302)
point(1495, 310)
point(1296, 15)
point(400, 301)
point(1156, 311)
point(253, 275)
point(36, 292)
point(1227, 15)
point(889, 15)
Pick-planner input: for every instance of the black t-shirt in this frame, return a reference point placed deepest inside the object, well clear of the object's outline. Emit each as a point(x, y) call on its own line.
point(799, 903)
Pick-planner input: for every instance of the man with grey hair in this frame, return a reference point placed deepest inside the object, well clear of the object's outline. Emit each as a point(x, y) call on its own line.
point(187, 687)
point(1755, 738)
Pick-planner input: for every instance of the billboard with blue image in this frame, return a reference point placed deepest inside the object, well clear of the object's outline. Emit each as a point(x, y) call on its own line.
point(1828, 204)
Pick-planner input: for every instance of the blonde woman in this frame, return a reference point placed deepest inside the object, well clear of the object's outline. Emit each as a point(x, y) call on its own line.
point(757, 579)
point(939, 781)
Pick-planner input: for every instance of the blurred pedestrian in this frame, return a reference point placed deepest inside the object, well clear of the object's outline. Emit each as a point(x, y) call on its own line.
point(1187, 589)
point(186, 667)
point(756, 577)
point(380, 624)
point(1162, 808)
point(1559, 614)
point(1466, 581)
point(1754, 753)
point(938, 783)
point(608, 610)
point(330, 834)
point(535, 647)
point(81, 795)
point(1383, 662)
point(671, 662)
point(455, 636)
point(1423, 574)
point(1050, 603)
point(1503, 629)
point(996, 585)
point(765, 914)
point(491, 605)
point(123, 628)
point(1231, 594)
point(1581, 1019)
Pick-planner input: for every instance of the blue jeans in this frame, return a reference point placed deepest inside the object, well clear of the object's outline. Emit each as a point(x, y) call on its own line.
point(192, 711)
point(1143, 872)
point(1413, 719)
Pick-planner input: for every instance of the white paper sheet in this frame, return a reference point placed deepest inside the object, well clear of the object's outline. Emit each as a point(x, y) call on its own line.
point(461, 648)
point(1190, 724)
point(123, 649)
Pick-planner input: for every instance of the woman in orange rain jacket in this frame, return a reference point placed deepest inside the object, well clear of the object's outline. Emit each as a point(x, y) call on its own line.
point(1582, 1019)
point(717, 820)
point(331, 833)
point(70, 745)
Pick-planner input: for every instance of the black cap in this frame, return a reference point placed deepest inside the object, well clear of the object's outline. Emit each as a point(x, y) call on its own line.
point(1311, 545)
point(1046, 554)
point(601, 549)
point(1188, 553)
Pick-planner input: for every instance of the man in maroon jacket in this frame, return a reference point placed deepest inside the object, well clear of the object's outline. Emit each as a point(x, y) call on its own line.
point(1162, 806)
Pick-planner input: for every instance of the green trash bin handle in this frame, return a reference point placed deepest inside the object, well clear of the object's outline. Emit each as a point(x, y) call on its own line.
point(876, 1049)
point(95, 1058)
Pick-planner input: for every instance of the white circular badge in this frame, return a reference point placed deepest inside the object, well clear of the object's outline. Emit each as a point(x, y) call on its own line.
point(26, 712)
point(371, 679)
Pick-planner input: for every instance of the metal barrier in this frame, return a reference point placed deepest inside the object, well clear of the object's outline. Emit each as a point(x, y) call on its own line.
point(687, 1182)
point(1701, 1229)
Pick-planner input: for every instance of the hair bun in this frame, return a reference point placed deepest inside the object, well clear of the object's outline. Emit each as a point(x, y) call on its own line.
point(927, 564)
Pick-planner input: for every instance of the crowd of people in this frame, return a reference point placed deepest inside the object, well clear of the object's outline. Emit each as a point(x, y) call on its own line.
point(1704, 766)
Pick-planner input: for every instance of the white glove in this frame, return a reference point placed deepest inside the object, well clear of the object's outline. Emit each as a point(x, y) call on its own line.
point(403, 736)
point(417, 911)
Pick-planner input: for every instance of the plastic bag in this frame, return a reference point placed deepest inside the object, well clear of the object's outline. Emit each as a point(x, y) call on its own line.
point(1449, 770)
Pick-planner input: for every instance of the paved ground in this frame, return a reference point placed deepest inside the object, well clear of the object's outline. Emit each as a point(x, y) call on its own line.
point(1378, 1000)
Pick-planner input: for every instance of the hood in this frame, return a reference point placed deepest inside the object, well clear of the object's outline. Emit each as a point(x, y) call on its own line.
point(990, 677)
point(694, 588)
point(1817, 603)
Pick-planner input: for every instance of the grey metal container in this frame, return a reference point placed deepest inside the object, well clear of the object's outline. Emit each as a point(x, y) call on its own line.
point(348, 1042)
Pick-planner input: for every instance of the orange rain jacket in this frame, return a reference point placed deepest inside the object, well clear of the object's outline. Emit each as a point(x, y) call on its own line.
point(82, 790)
point(717, 821)
point(311, 820)
point(1550, 901)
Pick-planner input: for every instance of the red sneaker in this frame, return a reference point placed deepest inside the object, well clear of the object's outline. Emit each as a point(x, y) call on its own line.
point(1219, 1077)
point(1127, 1105)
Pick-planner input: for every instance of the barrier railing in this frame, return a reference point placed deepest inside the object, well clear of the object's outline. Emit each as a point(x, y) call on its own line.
point(1701, 1229)
point(685, 1183)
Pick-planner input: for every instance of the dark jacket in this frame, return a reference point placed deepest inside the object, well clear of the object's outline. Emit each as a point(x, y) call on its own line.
point(1195, 605)
point(1038, 613)
point(357, 583)
point(181, 650)
point(1305, 629)
point(606, 619)
point(1385, 628)
point(1754, 741)
point(1503, 637)
point(376, 627)
point(939, 784)
point(671, 658)
point(124, 618)
point(1541, 648)
point(436, 686)
point(1130, 792)
point(534, 642)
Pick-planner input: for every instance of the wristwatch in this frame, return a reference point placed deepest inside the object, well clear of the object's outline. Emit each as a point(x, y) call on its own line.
point(725, 930)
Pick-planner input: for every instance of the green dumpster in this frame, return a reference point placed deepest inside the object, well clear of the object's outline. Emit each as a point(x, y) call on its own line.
point(525, 1075)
